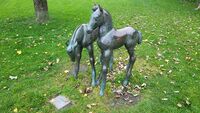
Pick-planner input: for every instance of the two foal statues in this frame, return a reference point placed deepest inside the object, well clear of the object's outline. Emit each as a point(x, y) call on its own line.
point(100, 29)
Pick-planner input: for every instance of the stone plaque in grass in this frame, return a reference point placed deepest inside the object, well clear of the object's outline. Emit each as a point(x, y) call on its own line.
point(60, 102)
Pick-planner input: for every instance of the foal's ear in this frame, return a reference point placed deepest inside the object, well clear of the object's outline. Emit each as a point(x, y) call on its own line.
point(94, 8)
point(100, 8)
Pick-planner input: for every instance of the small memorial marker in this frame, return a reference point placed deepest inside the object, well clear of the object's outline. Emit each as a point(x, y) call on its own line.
point(60, 102)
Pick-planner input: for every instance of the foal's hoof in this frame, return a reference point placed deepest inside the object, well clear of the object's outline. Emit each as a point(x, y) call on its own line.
point(75, 76)
point(93, 84)
point(125, 83)
point(101, 93)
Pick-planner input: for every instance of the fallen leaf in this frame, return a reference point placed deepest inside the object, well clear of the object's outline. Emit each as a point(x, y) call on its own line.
point(135, 95)
point(85, 95)
point(176, 91)
point(130, 101)
point(19, 52)
point(57, 60)
point(66, 71)
point(144, 85)
point(15, 110)
point(89, 106)
point(164, 99)
point(179, 105)
point(50, 63)
point(137, 87)
point(167, 61)
point(80, 91)
point(117, 96)
point(93, 104)
point(46, 68)
point(88, 90)
point(13, 77)
point(119, 91)
point(187, 102)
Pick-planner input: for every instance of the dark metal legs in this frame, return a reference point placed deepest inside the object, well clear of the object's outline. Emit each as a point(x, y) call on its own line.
point(78, 58)
point(129, 67)
point(92, 62)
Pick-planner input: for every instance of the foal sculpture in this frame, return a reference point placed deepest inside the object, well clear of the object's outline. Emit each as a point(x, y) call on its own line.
point(111, 39)
point(81, 39)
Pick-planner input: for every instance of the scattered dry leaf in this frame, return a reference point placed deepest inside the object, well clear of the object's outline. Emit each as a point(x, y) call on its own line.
point(15, 110)
point(19, 52)
point(164, 99)
point(93, 104)
point(89, 106)
point(57, 60)
point(117, 96)
point(13, 77)
point(144, 85)
point(179, 105)
point(130, 101)
point(66, 71)
point(80, 91)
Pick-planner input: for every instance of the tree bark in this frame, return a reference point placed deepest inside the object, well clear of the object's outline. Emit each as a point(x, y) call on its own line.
point(41, 10)
point(198, 7)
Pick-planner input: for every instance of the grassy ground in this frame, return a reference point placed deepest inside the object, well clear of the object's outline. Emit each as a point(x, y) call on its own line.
point(168, 56)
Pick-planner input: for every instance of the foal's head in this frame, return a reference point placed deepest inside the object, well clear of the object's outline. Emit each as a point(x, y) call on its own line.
point(96, 18)
point(71, 46)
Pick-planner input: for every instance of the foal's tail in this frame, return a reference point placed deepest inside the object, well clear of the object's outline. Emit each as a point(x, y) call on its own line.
point(138, 36)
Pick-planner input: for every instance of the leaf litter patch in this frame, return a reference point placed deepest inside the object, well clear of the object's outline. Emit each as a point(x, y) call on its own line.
point(125, 99)
point(123, 96)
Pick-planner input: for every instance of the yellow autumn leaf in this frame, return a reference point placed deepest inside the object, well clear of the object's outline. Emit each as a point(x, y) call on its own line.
point(66, 71)
point(19, 52)
point(15, 110)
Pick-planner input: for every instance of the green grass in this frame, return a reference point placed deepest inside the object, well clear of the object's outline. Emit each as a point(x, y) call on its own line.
point(169, 27)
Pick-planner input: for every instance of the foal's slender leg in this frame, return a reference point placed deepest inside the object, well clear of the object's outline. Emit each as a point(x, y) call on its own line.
point(111, 62)
point(132, 59)
point(101, 62)
point(78, 58)
point(92, 62)
point(105, 62)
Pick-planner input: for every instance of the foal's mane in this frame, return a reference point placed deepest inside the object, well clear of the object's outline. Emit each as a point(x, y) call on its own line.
point(73, 39)
point(108, 17)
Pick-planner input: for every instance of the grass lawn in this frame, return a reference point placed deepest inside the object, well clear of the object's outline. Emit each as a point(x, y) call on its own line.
point(167, 62)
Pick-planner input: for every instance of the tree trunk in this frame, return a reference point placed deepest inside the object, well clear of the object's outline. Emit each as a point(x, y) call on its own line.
point(41, 10)
point(198, 7)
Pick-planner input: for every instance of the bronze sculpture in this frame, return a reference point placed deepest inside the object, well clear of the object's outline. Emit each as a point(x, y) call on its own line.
point(111, 39)
point(100, 27)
